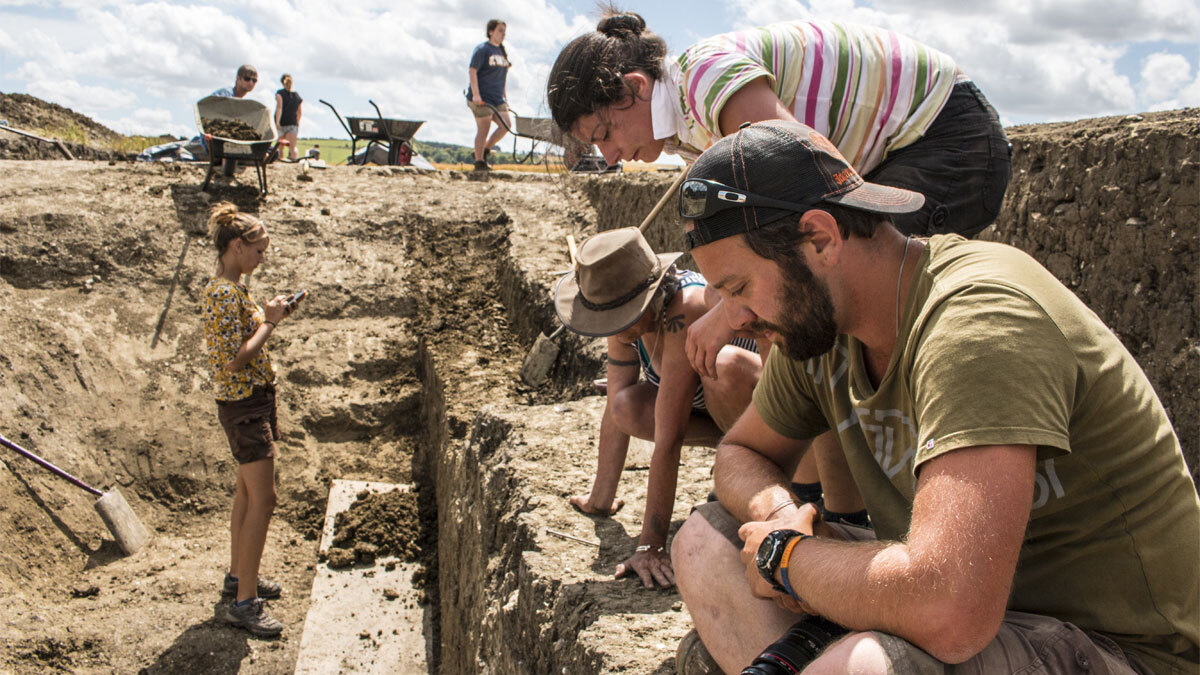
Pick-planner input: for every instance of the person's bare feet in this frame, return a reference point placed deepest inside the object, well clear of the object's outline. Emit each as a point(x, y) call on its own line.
point(581, 504)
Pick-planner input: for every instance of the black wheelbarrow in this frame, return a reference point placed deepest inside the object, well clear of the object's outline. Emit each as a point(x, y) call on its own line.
point(222, 149)
point(396, 136)
point(577, 156)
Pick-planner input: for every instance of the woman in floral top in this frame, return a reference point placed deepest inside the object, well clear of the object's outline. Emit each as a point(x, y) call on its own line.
point(236, 331)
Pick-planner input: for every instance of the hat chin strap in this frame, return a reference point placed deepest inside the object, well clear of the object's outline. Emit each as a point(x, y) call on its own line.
point(624, 299)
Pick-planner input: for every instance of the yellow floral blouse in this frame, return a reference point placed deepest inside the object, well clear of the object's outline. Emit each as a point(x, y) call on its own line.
point(231, 318)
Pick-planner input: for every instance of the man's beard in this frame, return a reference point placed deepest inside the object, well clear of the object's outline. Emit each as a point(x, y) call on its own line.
point(806, 323)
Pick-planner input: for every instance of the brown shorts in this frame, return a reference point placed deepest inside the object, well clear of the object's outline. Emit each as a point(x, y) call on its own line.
point(483, 110)
point(1026, 644)
point(251, 425)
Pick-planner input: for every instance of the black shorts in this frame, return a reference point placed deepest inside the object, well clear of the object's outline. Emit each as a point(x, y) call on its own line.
point(962, 165)
point(251, 425)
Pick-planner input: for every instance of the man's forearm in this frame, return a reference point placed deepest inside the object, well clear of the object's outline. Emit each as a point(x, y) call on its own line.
point(750, 486)
point(859, 585)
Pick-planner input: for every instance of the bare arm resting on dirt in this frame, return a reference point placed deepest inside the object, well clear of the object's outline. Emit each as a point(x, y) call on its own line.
point(946, 588)
point(622, 371)
point(274, 311)
point(672, 412)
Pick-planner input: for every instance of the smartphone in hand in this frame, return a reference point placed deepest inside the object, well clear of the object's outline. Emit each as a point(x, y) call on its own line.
point(292, 301)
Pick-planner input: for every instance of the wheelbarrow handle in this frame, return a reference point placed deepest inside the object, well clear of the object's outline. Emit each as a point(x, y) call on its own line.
point(377, 111)
point(47, 465)
point(339, 117)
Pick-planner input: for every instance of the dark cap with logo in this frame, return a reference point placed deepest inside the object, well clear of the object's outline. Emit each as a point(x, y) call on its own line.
point(790, 162)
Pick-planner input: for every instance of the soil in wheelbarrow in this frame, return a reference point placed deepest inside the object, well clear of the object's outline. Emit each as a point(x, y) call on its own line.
point(231, 129)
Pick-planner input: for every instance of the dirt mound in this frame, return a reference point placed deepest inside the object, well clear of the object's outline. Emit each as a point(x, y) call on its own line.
point(32, 114)
point(387, 521)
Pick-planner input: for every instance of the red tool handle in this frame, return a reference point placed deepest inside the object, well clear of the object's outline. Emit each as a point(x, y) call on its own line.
point(62, 474)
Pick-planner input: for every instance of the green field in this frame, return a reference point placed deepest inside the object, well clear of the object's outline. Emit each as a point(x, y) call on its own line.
point(333, 150)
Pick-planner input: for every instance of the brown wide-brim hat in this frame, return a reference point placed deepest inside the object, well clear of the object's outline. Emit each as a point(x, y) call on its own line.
point(615, 278)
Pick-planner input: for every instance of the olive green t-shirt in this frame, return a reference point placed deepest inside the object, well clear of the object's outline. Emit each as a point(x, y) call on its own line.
point(993, 350)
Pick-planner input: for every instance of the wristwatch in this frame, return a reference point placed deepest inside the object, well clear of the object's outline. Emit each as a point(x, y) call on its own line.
point(770, 554)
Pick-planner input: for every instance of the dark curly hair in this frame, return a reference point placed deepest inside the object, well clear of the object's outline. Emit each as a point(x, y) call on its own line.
point(588, 73)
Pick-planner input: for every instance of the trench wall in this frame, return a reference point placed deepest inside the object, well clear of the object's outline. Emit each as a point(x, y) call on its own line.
point(1111, 206)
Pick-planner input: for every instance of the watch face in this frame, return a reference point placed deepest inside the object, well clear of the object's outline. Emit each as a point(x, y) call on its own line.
point(765, 550)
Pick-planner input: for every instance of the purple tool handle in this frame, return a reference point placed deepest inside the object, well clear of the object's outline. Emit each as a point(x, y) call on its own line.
point(13, 446)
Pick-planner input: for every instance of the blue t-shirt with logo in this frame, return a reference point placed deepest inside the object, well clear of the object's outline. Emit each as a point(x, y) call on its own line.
point(491, 68)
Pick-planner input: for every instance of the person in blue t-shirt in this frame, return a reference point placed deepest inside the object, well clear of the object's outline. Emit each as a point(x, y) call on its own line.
point(243, 84)
point(489, 73)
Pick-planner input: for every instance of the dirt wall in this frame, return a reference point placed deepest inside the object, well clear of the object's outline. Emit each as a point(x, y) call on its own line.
point(1109, 205)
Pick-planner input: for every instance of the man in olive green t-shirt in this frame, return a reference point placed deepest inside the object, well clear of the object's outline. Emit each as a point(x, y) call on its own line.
point(1030, 501)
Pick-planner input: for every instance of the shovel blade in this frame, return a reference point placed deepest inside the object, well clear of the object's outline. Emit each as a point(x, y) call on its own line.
point(539, 361)
point(122, 522)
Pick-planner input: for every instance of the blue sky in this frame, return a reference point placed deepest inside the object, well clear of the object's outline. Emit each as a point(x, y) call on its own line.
point(138, 66)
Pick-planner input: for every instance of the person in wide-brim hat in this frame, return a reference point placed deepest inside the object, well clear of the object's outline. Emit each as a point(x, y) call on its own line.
point(615, 279)
point(643, 304)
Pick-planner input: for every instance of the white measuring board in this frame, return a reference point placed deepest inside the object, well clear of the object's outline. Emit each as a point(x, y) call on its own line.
point(351, 625)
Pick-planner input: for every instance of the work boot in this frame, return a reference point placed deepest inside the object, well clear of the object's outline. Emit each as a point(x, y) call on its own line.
point(692, 657)
point(253, 617)
point(481, 165)
point(266, 588)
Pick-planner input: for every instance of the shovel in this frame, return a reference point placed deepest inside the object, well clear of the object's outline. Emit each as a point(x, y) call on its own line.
point(122, 522)
point(544, 352)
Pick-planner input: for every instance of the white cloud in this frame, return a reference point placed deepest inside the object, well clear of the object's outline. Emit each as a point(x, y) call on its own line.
point(1039, 59)
point(76, 96)
point(1167, 82)
point(148, 122)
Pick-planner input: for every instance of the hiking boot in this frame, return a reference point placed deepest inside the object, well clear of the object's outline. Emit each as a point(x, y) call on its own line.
point(692, 657)
point(253, 617)
point(481, 165)
point(266, 588)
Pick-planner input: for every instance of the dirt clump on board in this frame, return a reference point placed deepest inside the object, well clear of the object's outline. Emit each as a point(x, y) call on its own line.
point(377, 524)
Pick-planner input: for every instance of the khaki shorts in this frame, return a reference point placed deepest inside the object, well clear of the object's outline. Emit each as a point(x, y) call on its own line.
point(251, 425)
point(1026, 643)
point(483, 110)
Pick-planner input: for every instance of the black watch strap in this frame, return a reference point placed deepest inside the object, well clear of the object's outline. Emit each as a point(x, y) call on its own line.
point(768, 560)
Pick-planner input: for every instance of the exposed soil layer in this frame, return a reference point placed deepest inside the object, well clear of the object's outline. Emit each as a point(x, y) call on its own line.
point(32, 114)
point(426, 291)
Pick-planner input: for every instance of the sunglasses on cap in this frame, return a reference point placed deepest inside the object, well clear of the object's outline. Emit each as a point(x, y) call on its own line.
point(700, 198)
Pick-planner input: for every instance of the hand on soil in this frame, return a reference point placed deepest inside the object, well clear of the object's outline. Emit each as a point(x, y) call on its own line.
point(653, 567)
point(583, 504)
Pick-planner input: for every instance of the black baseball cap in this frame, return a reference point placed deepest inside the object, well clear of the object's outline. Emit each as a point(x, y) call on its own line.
point(780, 163)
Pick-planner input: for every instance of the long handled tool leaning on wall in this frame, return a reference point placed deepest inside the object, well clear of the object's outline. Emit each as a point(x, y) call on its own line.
point(122, 522)
point(545, 350)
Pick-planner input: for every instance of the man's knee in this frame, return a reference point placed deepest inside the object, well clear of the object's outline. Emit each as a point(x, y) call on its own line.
point(693, 549)
point(737, 369)
point(853, 653)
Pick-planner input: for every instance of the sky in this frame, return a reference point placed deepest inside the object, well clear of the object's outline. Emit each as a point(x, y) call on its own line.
point(138, 67)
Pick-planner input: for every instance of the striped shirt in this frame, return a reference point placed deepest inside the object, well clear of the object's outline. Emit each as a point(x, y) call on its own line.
point(867, 89)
